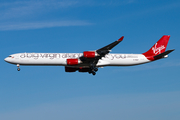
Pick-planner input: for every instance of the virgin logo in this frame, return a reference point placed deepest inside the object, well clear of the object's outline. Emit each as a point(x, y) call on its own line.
point(157, 50)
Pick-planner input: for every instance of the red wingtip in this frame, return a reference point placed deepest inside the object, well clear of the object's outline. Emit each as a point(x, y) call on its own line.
point(120, 39)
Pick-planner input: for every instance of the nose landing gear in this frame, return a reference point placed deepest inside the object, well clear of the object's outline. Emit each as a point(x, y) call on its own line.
point(18, 69)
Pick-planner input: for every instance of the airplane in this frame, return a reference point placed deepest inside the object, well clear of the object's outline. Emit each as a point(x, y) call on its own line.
point(90, 61)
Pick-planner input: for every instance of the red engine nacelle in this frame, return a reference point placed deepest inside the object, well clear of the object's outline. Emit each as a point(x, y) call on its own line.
point(69, 69)
point(89, 54)
point(73, 61)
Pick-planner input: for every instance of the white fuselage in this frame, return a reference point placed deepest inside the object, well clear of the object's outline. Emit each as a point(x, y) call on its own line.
point(60, 59)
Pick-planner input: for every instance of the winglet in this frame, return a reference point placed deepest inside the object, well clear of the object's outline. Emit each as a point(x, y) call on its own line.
point(120, 39)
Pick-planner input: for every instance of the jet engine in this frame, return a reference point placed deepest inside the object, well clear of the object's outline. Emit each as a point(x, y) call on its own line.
point(90, 54)
point(84, 69)
point(73, 61)
point(70, 69)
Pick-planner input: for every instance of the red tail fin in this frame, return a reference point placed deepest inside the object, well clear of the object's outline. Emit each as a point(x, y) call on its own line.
point(157, 48)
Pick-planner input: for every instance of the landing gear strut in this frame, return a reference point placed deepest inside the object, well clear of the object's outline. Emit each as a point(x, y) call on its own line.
point(93, 72)
point(93, 69)
point(18, 67)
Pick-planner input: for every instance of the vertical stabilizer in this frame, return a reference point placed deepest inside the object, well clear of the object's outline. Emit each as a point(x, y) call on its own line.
point(157, 48)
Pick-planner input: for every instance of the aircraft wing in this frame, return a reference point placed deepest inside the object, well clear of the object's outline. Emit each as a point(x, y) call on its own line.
point(105, 50)
point(92, 57)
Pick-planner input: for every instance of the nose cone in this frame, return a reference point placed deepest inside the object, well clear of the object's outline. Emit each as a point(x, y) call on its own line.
point(10, 59)
point(6, 59)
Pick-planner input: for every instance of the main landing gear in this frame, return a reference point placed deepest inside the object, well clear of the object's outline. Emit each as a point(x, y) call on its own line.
point(93, 70)
point(18, 69)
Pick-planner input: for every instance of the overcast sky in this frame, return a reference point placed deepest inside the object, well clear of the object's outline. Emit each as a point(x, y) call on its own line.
point(145, 92)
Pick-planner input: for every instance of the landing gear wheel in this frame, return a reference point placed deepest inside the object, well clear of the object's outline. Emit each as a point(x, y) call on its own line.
point(93, 73)
point(18, 67)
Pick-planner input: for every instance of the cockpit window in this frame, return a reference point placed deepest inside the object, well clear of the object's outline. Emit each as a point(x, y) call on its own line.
point(9, 56)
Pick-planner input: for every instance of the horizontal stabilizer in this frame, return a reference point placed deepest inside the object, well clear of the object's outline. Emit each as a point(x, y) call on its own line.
point(159, 56)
